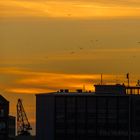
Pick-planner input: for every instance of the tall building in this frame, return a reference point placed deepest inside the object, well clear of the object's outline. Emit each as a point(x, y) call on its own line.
point(7, 123)
point(111, 113)
point(4, 114)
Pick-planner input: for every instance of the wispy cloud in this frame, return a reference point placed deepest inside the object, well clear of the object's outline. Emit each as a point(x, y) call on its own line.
point(22, 82)
point(30, 82)
point(67, 9)
point(36, 82)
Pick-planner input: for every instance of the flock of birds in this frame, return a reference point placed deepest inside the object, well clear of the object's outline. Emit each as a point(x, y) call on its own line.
point(92, 43)
point(82, 48)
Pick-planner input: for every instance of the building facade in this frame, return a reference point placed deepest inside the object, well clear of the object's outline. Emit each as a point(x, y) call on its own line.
point(108, 113)
point(12, 126)
point(4, 112)
point(7, 123)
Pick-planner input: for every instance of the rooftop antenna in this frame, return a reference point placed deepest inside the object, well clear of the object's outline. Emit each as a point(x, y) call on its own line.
point(101, 79)
point(84, 88)
point(127, 76)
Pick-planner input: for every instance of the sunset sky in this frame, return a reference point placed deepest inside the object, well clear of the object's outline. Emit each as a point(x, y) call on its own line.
point(46, 45)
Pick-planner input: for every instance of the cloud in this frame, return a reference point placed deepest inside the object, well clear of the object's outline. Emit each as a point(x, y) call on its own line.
point(69, 9)
point(38, 82)
point(19, 83)
point(31, 82)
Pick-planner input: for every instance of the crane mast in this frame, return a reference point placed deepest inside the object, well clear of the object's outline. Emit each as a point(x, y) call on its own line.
point(23, 125)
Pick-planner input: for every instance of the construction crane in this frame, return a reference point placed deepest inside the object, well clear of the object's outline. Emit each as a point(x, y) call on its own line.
point(23, 125)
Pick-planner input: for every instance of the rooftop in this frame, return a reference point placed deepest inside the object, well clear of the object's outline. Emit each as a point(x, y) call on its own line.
point(112, 90)
point(3, 100)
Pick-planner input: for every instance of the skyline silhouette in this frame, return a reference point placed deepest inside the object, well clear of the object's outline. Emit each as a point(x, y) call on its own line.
point(46, 45)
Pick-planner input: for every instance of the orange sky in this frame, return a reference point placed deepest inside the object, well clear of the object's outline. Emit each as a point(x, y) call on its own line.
point(51, 44)
point(69, 9)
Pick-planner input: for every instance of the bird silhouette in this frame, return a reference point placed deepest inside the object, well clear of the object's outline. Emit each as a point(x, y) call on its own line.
point(72, 52)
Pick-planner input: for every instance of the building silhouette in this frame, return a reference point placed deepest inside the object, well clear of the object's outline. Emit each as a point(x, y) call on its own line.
point(7, 123)
point(112, 112)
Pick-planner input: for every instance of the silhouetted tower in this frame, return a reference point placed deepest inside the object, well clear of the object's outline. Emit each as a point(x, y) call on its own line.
point(23, 125)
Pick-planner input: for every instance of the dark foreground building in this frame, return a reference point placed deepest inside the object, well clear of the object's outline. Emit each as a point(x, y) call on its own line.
point(4, 114)
point(109, 113)
point(12, 127)
point(7, 123)
point(25, 138)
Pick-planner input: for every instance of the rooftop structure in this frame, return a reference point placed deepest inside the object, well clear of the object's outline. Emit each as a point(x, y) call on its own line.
point(108, 113)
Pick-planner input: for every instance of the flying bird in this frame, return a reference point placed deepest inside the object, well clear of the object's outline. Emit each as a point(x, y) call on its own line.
point(72, 52)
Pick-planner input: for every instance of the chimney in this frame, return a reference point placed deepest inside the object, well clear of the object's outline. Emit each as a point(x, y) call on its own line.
point(66, 91)
point(79, 90)
point(61, 90)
